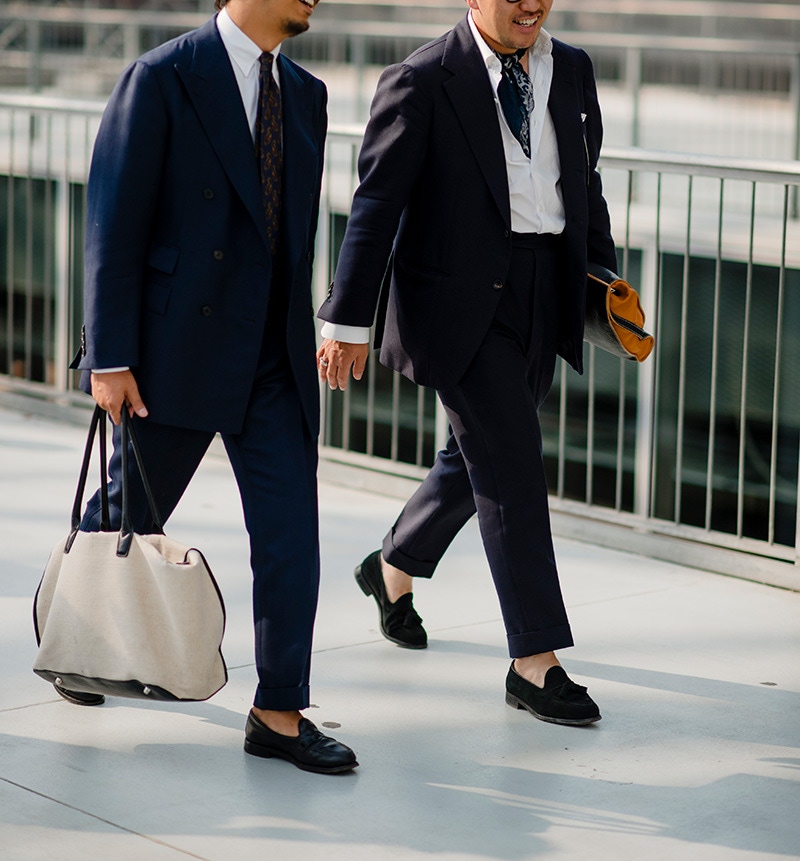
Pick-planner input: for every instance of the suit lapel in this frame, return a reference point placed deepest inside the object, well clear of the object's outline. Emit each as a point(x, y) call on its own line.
point(565, 110)
point(470, 92)
point(300, 160)
point(214, 93)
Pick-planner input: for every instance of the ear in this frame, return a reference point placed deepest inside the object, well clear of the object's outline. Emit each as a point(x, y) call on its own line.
point(473, 4)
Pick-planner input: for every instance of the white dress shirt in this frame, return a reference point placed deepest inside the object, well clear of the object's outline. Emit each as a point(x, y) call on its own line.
point(534, 184)
point(244, 55)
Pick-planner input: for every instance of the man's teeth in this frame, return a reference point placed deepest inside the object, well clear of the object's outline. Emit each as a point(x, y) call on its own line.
point(308, 3)
point(530, 22)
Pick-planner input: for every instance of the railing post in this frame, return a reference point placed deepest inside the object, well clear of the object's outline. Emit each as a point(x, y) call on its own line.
point(61, 290)
point(794, 91)
point(645, 392)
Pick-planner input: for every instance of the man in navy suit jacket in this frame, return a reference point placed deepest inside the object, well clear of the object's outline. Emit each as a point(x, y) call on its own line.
point(197, 323)
point(488, 217)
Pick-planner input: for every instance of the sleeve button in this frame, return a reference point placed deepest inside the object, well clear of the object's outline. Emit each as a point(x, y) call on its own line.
point(206, 310)
point(208, 193)
point(498, 285)
point(218, 255)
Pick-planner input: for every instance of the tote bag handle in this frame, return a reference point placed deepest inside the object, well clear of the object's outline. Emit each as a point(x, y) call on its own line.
point(98, 424)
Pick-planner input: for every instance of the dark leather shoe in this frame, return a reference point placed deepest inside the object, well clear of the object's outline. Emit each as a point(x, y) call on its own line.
point(311, 750)
point(79, 698)
point(559, 701)
point(400, 622)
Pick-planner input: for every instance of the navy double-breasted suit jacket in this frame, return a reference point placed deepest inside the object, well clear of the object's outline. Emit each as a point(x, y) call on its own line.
point(434, 189)
point(177, 267)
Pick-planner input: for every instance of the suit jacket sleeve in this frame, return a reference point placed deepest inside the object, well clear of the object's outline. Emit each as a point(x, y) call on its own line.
point(122, 191)
point(389, 164)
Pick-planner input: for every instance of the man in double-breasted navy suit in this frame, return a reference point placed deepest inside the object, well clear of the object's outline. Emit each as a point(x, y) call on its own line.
point(479, 191)
point(202, 209)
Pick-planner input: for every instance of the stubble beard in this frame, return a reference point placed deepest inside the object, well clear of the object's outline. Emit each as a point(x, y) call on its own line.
point(294, 27)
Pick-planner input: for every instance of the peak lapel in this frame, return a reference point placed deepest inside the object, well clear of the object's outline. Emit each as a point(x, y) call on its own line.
point(214, 93)
point(300, 159)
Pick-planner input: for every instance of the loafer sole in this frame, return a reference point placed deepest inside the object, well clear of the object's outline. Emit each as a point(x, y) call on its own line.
point(365, 587)
point(517, 703)
point(267, 752)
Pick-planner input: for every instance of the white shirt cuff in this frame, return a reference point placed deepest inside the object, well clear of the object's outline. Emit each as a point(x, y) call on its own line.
point(108, 370)
point(345, 334)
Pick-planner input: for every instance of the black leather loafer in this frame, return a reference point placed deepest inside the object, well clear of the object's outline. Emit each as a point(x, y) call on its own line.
point(400, 622)
point(79, 698)
point(310, 751)
point(559, 701)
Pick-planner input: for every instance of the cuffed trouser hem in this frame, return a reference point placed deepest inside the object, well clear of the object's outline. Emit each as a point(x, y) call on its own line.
point(282, 699)
point(412, 567)
point(536, 642)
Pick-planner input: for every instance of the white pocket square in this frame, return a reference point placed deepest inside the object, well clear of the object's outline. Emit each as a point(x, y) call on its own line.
point(583, 118)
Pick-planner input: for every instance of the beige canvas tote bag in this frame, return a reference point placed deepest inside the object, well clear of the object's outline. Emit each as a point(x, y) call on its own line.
point(124, 614)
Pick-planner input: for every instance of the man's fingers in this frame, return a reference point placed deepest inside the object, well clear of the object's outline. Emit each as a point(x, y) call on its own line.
point(136, 405)
point(116, 390)
point(359, 365)
point(337, 359)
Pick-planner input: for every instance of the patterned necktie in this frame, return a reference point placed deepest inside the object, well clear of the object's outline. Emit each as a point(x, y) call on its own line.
point(515, 92)
point(268, 148)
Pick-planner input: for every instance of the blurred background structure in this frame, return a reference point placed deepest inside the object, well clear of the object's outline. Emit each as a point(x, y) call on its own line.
point(693, 456)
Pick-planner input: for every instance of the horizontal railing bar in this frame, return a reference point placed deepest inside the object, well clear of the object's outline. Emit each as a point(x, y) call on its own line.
point(53, 104)
point(634, 158)
point(757, 170)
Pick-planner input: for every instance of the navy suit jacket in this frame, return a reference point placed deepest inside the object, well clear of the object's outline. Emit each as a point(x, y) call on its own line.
point(434, 189)
point(177, 268)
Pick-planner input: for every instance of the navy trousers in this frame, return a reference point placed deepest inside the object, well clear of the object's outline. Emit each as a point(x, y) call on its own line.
point(493, 463)
point(274, 460)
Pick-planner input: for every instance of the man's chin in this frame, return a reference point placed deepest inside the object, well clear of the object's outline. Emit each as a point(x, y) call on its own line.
point(295, 28)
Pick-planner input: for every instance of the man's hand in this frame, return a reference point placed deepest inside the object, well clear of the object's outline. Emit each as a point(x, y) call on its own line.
point(335, 360)
point(112, 391)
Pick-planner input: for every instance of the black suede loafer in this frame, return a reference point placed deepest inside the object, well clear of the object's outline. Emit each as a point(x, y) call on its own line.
point(400, 622)
point(79, 698)
point(559, 701)
point(310, 751)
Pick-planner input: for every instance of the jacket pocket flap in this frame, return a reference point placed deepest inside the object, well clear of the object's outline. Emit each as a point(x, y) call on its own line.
point(163, 257)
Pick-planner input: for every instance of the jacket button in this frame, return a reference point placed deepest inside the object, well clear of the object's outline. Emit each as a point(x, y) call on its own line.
point(206, 310)
point(218, 255)
point(498, 285)
point(208, 193)
point(506, 234)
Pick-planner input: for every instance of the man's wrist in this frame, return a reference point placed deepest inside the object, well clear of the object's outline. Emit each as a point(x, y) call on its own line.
point(345, 334)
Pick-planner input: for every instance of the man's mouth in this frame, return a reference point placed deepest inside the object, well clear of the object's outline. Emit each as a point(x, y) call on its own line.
point(526, 22)
point(310, 3)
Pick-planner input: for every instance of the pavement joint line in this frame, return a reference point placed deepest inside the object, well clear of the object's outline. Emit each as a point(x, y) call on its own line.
point(104, 821)
point(30, 706)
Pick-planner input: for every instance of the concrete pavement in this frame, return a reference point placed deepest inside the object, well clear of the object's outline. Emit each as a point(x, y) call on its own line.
point(697, 676)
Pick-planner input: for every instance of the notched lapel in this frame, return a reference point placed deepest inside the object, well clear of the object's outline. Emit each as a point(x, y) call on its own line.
point(214, 93)
point(566, 110)
point(471, 95)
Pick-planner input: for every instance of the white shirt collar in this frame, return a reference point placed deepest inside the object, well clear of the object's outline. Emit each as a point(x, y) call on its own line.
point(542, 46)
point(241, 48)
